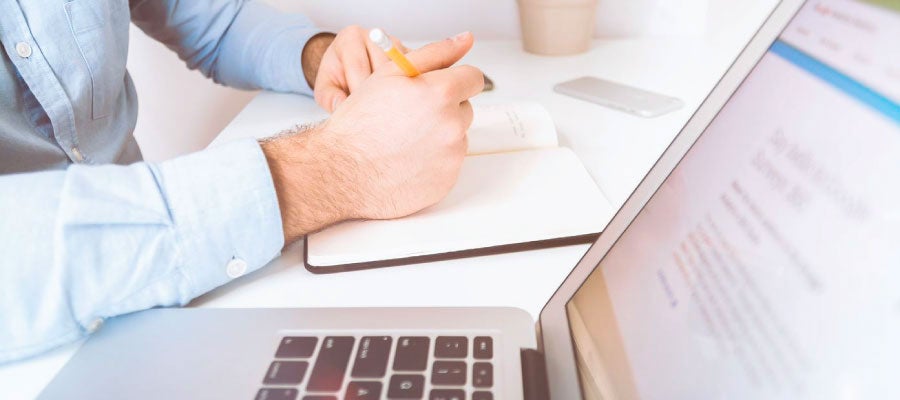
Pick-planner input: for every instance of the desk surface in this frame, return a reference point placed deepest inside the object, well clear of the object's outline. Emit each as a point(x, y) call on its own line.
point(617, 149)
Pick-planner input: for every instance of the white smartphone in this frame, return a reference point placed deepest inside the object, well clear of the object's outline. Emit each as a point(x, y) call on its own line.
point(618, 96)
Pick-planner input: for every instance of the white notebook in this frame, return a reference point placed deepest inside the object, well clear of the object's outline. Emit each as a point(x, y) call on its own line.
point(517, 191)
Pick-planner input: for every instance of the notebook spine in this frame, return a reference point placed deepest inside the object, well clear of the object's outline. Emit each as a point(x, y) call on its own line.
point(534, 375)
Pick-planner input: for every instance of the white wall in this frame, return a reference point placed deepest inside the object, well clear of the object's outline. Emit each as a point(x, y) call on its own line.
point(497, 19)
point(181, 111)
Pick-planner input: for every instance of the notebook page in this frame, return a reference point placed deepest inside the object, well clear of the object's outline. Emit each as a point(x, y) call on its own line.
point(511, 127)
point(503, 198)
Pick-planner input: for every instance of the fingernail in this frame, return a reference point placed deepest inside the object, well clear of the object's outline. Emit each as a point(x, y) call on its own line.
point(460, 36)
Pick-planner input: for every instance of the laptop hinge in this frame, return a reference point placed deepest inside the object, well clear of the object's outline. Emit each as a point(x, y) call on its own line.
point(534, 375)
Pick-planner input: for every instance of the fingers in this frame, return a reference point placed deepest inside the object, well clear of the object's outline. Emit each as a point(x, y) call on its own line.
point(352, 58)
point(399, 45)
point(458, 83)
point(330, 87)
point(329, 95)
point(442, 54)
point(353, 54)
point(359, 50)
point(349, 60)
point(376, 54)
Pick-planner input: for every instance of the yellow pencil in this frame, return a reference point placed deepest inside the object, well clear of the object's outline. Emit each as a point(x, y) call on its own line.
point(382, 40)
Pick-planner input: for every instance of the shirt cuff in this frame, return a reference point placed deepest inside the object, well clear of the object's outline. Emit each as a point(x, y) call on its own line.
point(286, 67)
point(226, 214)
point(272, 44)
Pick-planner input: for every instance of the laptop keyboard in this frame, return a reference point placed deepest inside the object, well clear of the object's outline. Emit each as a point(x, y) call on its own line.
point(380, 367)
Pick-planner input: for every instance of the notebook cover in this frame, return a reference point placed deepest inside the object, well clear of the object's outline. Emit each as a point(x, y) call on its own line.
point(478, 252)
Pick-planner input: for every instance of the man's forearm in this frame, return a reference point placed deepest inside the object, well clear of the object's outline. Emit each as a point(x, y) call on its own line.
point(311, 179)
point(93, 242)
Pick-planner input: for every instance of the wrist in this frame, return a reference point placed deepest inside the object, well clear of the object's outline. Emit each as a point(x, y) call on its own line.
point(312, 53)
point(311, 180)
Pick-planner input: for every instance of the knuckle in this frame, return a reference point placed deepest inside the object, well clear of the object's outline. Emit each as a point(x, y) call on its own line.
point(419, 94)
point(467, 108)
point(468, 113)
point(444, 90)
point(353, 29)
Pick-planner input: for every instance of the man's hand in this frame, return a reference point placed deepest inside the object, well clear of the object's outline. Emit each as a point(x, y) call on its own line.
point(311, 57)
point(393, 148)
point(345, 64)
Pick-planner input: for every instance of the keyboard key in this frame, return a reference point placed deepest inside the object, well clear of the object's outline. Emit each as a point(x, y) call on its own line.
point(447, 394)
point(412, 353)
point(363, 391)
point(331, 364)
point(483, 348)
point(482, 375)
point(372, 357)
point(320, 397)
point(406, 387)
point(276, 394)
point(296, 347)
point(482, 396)
point(451, 347)
point(285, 372)
point(448, 373)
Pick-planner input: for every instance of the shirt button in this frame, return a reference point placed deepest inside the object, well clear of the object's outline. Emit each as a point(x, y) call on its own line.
point(77, 154)
point(236, 267)
point(95, 325)
point(23, 49)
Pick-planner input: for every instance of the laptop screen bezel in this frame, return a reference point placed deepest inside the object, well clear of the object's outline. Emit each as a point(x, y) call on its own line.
point(553, 332)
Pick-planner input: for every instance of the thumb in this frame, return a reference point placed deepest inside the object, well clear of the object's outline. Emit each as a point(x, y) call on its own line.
point(442, 54)
point(329, 96)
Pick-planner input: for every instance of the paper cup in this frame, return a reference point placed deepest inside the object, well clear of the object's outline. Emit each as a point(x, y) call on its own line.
point(557, 27)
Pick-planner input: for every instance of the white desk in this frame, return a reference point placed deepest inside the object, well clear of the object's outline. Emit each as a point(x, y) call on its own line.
point(617, 149)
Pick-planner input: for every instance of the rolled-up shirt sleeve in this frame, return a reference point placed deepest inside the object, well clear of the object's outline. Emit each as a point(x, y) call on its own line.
point(93, 242)
point(239, 43)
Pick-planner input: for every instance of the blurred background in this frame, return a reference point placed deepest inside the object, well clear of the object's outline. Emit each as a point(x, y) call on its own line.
point(181, 111)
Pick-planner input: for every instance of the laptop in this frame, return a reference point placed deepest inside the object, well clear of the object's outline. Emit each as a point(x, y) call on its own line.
point(757, 259)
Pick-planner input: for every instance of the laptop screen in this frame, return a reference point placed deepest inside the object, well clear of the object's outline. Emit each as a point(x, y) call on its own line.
point(767, 265)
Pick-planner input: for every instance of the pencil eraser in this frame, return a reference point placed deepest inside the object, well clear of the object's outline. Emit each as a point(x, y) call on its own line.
point(380, 39)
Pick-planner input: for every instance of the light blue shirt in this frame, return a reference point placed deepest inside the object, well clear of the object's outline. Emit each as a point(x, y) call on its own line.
point(83, 239)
